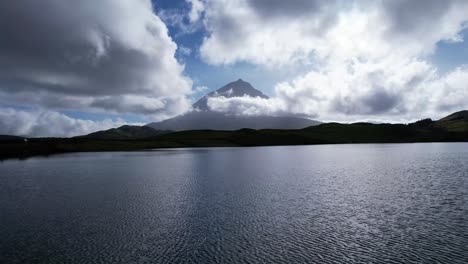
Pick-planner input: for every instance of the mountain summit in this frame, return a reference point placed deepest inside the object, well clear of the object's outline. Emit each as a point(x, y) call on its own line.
point(203, 118)
point(238, 88)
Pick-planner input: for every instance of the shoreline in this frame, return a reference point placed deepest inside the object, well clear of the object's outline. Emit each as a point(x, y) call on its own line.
point(26, 151)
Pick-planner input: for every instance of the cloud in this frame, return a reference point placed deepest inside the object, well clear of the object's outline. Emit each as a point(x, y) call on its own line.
point(246, 105)
point(367, 59)
point(157, 108)
point(89, 52)
point(292, 8)
point(243, 31)
point(43, 123)
point(197, 8)
point(275, 32)
point(200, 89)
point(185, 20)
point(185, 50)
point(449, 92)
point(412, 90)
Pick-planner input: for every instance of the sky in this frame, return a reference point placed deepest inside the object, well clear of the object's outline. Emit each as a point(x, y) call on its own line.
point(73, 67)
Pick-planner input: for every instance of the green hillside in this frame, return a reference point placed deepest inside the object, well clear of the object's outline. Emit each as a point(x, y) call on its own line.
point(124, 133)
point(453, 128)
point(456, 122)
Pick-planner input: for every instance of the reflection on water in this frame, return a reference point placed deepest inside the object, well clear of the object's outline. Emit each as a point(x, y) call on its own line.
point(376, 203)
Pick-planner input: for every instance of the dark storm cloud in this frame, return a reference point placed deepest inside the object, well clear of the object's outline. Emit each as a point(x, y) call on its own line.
point(87, 48)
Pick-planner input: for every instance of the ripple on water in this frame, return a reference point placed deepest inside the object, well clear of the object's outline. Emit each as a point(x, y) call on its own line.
point(403, 203)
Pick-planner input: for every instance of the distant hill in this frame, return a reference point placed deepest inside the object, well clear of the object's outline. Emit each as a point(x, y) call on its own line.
point(12, 139)
point(330, 133)
point(456, 122)
point(462, 115)
point(203, 118)
point(124, 133)
point(449, 129)
point(452, 128)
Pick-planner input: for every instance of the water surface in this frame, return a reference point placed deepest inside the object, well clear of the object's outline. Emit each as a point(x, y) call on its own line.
point(370, 203)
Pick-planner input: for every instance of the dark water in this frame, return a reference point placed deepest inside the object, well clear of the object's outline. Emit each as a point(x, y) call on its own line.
point(402, 203)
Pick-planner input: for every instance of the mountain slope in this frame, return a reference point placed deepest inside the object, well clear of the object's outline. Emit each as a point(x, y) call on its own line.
point(203, 118)
point(124, 132)
point(456, 122)
point(198, 120)
point(461, 115)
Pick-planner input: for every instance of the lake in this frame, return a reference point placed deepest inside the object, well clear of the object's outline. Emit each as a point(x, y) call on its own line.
point(368, 203)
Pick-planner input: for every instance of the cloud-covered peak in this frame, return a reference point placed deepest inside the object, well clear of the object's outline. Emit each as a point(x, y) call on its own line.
point(239, 88)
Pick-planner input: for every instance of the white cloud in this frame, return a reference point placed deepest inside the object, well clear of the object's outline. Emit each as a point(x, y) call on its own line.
point(200, 89)
point(246, 105)
point(401, 93)
point(197, 7)
point(448, 92)
point(368, 59)
point(157, 108)
point(273, 32)
point(186, 22)
point(88, 52)
point(43, 123)
point(185, 50)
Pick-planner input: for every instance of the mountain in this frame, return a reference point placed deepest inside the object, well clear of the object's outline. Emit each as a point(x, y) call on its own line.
point(203, 118)
point(199, 120)
point(238, 88)
point(124, 132)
